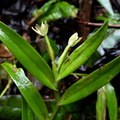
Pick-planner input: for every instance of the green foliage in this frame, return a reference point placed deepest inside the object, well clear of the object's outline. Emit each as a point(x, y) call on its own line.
point(55, 10)
point(106, 96)
point(111, 101)
point(27, 55)
point(81, 54)
point(28, 91)
point(61, 68)
point(101, 105)
point(27, 113)
point(91, 83)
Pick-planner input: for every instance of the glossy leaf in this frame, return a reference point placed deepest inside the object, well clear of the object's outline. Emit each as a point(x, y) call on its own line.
point(111, 101)
point(55, 10)
point(28, 91)
point(91, 83)
point(81, 54)
point(101, 104)
point(27, 55)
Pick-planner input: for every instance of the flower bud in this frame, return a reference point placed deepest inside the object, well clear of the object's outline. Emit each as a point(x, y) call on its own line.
point(74, 39)
point(41, 30)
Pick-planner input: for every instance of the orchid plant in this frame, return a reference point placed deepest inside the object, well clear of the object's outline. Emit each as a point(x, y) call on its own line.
point(51, 77)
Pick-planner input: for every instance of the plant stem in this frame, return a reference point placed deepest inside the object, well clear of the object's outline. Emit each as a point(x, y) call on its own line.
point(55, 72)
point(63, 56)
point(49, 48)
point(55, 112)
point(6, 88)
point(57, 96)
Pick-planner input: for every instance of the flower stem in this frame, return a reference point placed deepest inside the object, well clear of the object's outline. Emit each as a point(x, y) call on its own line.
point(49, 48)
point(63, 56)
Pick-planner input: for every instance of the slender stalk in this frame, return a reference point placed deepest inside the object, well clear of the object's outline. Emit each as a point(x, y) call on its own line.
point(49, 48)
point(54, 112)
point(54, 69)
point(63, 56)
point(55, 72)
point(52, 56)
point(6, 88)
point(57, 96)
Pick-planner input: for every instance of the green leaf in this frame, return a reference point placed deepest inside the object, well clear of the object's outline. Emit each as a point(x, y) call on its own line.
point(107, 5)
point(81, 54)
point(24, 106)
point(44, 8)
point(27, 113)
point(111, 101)
point(91, 83)
point(101, 104)
point(28, 91)
point(27, 55)
point(55, 10)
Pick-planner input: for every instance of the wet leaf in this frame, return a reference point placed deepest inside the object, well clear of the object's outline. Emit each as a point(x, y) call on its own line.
point(91, 83)
point(27, 55)
point(28, 91)
point(55, 10)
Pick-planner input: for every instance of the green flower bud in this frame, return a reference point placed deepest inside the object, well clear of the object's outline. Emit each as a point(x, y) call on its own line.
point(41, 30)
point(74, 39)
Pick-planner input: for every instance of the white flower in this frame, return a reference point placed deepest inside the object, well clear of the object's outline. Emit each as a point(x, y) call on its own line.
point(74, 39)
point(41, 30)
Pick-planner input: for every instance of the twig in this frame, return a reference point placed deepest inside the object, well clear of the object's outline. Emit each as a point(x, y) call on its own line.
point(98, 24)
